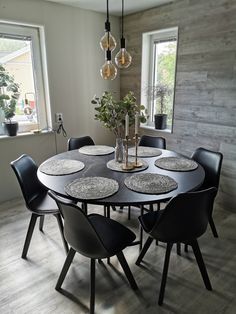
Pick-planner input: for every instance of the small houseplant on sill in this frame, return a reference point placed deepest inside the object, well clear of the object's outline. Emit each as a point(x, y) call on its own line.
point(159, 92)
point(9, 94)
point(112, 114)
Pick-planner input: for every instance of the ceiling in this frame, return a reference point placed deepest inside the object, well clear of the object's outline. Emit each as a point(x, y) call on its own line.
point(131, 6)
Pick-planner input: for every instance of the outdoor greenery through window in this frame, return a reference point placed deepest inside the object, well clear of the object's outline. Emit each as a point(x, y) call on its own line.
point(158, 76)
point(21, 59)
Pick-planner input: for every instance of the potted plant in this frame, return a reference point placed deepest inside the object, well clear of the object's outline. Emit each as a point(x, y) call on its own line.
point(159, 93)
point(9, 94)
point(112, 113)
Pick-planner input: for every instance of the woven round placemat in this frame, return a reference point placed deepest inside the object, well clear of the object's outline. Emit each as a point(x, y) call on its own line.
point(144, 151)
point(117, 166)
point(96, 150)
point(61, 167)
point(150, 183)
point(176, 164)
point(90, 188)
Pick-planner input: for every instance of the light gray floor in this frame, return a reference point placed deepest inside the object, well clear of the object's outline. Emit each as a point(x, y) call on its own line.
point(27, 286)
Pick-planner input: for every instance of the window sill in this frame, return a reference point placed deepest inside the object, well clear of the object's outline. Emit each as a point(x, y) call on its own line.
point(20, 135)
point(152, 128)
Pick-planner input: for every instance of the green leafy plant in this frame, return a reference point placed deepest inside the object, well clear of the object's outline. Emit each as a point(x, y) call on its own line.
point(159, 92)
point(9, 94)
point(112, 112)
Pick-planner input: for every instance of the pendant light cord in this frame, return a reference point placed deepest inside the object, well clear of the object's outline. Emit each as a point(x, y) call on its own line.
point(107, 23)
point(107, 11)
point(122, 20)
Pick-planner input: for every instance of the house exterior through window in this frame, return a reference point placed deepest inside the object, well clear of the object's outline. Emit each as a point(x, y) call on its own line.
point(23, 57)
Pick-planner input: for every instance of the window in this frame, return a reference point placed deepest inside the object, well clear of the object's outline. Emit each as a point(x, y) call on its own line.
point(23, 57)
point(159, 53)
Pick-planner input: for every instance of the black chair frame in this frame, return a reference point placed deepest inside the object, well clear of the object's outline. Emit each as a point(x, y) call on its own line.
point(166, 226)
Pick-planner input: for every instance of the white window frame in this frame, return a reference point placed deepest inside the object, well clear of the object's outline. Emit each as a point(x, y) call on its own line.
point(148, 41)
point(39, 63)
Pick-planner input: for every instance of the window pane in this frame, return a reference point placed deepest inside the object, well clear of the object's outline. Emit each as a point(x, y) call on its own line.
point(164, 78)
point(16, 57)
point(159, 51)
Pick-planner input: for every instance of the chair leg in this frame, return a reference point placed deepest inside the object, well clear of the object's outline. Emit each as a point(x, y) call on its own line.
point(113, 208)
point(178, 248)
point(41, 221)
point(164, 274)
point(92, 285)
point(84, 206)
point(127, 270)
point(29, 234)
point(140, 238)
point(213, 227)
point(186, 248)
point(65, 268)
point(201, 264)
point(144, 250)
point(141, 230)
point(108, 212)
point(129, 212)
point(61, 228)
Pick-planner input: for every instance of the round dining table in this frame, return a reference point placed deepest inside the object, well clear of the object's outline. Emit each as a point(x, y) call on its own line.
point(96, 166)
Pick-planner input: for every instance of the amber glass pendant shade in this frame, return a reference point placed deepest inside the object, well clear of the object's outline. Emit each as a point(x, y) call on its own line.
point(108, 42)
point(108, 71)
point(123, 58)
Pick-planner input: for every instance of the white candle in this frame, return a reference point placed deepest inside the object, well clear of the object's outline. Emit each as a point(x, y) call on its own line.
point(136, 122)
point(126, 124)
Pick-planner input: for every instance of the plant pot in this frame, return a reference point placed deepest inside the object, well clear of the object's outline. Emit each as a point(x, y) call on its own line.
point(160, 121)
point(11, 128)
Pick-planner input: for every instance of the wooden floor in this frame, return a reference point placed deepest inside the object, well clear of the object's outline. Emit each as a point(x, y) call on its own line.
point(27, 286)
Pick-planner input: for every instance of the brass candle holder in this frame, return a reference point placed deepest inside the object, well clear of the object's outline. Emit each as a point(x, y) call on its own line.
point(137, 163)
point(127, 165)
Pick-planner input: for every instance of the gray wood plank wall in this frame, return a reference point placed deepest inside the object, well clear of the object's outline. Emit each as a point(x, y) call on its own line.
point(205, 99)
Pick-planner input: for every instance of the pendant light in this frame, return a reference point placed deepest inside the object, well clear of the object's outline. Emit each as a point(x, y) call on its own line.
point(108, 70)
point(123, 59)
point(108, 41)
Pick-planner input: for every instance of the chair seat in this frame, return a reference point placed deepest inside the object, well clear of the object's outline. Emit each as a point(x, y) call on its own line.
point(43, 204)
point(114, 235)
point(148, 220)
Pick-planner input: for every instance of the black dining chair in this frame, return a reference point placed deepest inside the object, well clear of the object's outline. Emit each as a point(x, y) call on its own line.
point(96, 237)
point(78, 142)
point(36, 197)
point(153, 141)
point(184, 219)
point(211, 162)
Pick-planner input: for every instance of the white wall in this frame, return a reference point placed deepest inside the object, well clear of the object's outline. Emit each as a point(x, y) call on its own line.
point(74, 58)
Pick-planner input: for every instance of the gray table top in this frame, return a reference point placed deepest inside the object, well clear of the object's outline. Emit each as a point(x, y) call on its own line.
point(96, 166)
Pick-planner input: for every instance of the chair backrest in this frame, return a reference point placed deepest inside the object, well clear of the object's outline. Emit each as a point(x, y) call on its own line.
point(153, 141)
point(26, 172)
point(78, 230)
point(185, 217)
point(211, 162)
point(76, 143)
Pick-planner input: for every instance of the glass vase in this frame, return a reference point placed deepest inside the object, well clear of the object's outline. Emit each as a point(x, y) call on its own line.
point(119, 150)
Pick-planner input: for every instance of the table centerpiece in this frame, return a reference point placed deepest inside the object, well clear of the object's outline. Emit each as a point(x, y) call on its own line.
point(118, 116)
